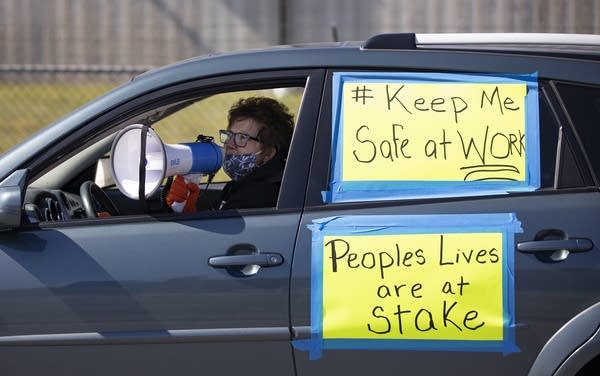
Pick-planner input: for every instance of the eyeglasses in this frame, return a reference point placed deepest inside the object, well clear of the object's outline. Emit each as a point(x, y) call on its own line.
point(239, 139)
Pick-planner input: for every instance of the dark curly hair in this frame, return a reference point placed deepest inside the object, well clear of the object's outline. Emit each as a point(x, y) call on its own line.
point(275, 118)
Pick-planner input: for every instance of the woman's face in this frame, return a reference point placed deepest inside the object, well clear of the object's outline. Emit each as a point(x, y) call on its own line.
point(251, 128)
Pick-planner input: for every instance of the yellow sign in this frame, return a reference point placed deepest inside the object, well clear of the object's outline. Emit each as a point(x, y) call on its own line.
point(438, 131)
point(438, 286)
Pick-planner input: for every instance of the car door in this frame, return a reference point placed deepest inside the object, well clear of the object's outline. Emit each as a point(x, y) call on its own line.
point(550, 287)
point(155, 294)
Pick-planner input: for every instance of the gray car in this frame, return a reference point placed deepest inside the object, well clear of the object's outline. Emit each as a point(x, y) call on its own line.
point(439, 214)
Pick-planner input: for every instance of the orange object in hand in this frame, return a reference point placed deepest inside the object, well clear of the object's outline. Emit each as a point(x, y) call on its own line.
point(182, 191)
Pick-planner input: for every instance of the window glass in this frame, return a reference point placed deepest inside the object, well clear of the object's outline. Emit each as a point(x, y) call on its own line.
point(583, 107)
point(208, 115)
point(549, 131)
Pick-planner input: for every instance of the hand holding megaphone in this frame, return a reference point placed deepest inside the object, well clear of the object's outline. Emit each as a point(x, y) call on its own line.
point(138, 154)
point(183, 193)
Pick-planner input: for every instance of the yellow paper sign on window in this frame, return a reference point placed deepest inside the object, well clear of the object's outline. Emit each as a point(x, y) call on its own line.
point(434, 131)
point(406, 135)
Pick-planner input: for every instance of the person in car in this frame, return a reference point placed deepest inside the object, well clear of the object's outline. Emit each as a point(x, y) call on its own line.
point(256, 143)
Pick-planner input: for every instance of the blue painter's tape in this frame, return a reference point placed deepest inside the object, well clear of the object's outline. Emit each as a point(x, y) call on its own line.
point(434, 222)
point(505, 223)
point(316, 285)
point(415, 345)
point(508, 290)
point(341, 190)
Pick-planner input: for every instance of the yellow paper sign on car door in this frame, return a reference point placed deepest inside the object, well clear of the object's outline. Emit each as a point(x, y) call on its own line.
point(413, 286)
point(420, 282)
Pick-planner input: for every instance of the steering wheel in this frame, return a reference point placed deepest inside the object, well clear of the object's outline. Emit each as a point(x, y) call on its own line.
point(95, 200)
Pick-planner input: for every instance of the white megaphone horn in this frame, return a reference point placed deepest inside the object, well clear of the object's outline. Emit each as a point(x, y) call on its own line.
point(130, 164)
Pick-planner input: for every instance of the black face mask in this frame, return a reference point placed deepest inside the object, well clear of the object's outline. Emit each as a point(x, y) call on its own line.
point(238, 166)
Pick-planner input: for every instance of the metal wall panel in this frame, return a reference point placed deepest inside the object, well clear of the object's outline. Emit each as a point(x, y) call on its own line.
point(155, 32)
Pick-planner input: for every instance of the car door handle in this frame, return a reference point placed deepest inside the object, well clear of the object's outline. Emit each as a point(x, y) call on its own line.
point(261, 259)
point(571, 245)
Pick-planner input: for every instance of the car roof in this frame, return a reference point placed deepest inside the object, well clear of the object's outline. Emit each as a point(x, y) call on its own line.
point(475, 52)
point(549, 44)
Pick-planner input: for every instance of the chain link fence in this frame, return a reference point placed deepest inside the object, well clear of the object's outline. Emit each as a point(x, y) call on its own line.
point(32, 97)
point(156, 32)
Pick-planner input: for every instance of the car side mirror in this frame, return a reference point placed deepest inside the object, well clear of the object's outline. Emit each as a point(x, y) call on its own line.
point(11, 199)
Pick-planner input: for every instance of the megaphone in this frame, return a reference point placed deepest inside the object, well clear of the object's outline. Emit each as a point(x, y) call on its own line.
point(130, 164)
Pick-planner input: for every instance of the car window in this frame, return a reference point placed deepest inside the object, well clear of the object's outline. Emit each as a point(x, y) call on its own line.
point(555, 149)
point(57, 194)
point(583, 108)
